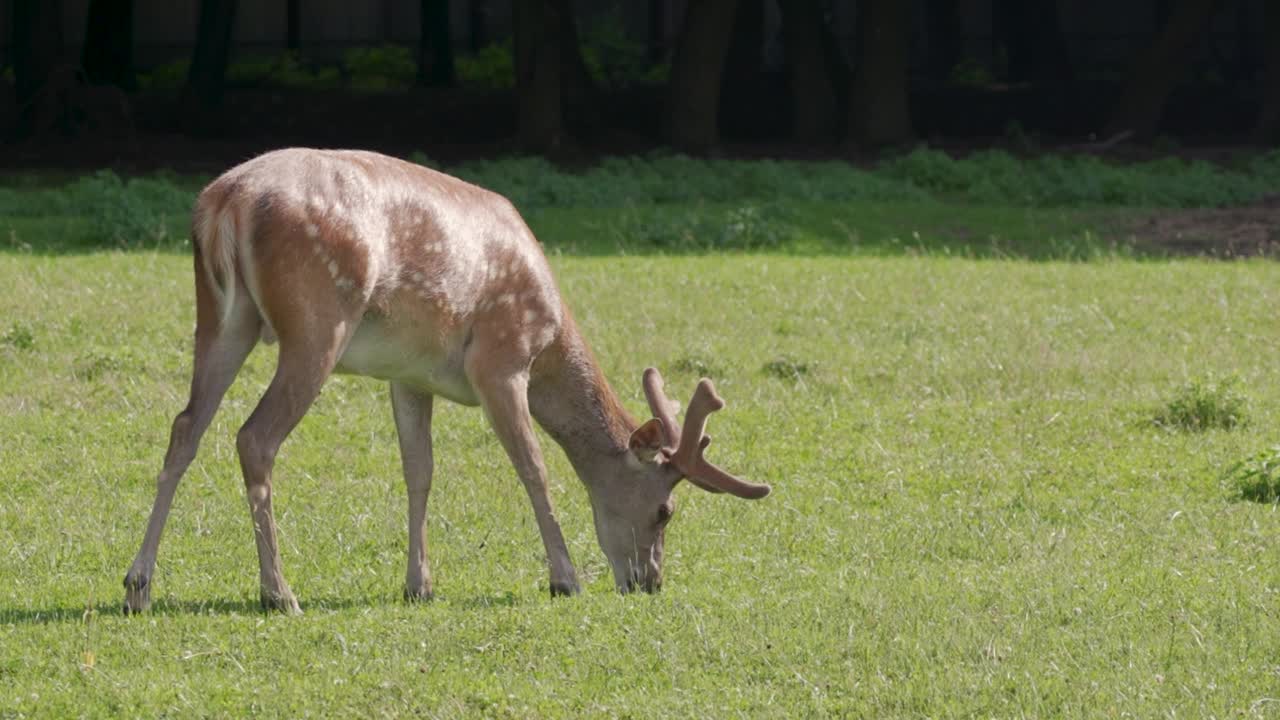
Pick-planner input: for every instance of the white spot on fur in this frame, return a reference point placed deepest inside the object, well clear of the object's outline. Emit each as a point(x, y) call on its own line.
point(312, 230)
point(529, 317)
point(333, 268)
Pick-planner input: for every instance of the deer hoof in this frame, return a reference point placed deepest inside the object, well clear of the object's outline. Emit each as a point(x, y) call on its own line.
point(564, 589)
point(137, 594)
point(419, 595)
point(282, 602)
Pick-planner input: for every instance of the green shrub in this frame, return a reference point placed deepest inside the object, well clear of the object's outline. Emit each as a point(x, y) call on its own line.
point(611, 56)
point(742, 227)
point(169, 76)
point(491, 67)
point(127, 214)
point(1257, 478)
point(387, 67)
point(19, 336)
point(283, 70)
point(786, 368)
point(1204, 404)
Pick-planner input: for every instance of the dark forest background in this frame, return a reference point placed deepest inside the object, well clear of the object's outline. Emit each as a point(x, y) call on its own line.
point(192, 82)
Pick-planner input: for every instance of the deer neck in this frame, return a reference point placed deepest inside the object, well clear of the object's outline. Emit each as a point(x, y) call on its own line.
point(571, 399)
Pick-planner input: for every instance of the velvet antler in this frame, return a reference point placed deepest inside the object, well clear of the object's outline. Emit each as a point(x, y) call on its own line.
point(686, 454)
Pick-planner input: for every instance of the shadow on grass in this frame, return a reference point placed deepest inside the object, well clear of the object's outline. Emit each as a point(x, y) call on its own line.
point(56, 614)
point(71, 613)
point(874, 229)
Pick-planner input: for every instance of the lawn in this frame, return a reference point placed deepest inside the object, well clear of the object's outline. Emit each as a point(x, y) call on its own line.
point(985, 502)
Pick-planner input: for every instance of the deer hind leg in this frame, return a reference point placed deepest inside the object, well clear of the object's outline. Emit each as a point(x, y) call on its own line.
point(306, 361)
point(412, 410)
point(505, 398)
point(219, 353)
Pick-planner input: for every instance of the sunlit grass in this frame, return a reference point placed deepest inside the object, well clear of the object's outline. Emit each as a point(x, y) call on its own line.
point(973, 513)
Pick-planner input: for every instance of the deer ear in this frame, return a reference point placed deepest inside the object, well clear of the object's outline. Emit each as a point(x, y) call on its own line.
point(646, 441)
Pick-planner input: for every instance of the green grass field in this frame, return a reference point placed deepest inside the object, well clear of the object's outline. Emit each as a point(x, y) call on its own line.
point(974, 510)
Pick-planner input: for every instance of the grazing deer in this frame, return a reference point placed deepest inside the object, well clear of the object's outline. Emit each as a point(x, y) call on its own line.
point(361, 263)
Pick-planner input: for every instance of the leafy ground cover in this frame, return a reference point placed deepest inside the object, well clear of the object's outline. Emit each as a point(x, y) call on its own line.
point(977, 510)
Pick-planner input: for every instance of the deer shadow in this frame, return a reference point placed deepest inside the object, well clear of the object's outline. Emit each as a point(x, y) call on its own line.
point(168, 607)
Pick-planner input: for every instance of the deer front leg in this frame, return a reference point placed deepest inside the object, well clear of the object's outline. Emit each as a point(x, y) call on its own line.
point(505, 399)
point(412, 410)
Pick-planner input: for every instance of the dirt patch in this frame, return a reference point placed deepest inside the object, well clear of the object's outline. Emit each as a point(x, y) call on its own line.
point(1248, 231)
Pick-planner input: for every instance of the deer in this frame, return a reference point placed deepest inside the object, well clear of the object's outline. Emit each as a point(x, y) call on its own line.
point(365, 264)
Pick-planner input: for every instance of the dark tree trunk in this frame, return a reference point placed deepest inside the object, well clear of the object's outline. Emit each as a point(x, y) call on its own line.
point(878, 112)
point(477, 25)
point(657, 44)
point(435, 45)
point(1158, 69)
point(538, 67)
point(944, 37)
point(578, 91)
point(108, 44)
point(202, 97)
point(694, 92)
point(813, 97)
point(293, 25)
point(1267, 129)
point(1031, 34)
point(740, 112)
point(37, 45)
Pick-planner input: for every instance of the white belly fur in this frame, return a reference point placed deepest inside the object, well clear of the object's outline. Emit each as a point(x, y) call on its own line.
point(375, 352)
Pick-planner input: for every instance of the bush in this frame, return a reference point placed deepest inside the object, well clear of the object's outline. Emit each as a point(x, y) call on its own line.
point(386, 67)
point(995, 176)
point(491, 67)
point(1257, 478)
point(1203, 405)
point(127, 215)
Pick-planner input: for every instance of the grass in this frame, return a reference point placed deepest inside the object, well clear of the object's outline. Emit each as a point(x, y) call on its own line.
point(968, 518)
point(974, 416)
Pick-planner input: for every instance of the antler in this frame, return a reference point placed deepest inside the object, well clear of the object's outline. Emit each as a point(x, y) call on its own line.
point(662, 408)
point(686, 455)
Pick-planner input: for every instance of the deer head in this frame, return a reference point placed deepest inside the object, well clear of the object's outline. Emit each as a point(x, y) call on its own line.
point(631, 516)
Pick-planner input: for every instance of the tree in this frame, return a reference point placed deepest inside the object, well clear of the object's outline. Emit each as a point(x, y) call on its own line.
point(1030, 33)
point(878, 112)
point(1158, 69)
point(578, 90)
point(293, 25)
point(108, 44)
point(202, 96)
point(743, 75)
point(694, 90)
point(37, 51)
point(813, 98)
point(942, 18)
point(538, 63)
point(656, 44)
point(435, 46)
point(1267, 129)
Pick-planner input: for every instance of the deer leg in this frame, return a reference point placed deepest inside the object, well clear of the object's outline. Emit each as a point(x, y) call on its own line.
point(303, 367)
point(505, 399)
point(412, 410)
point(219, 353)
